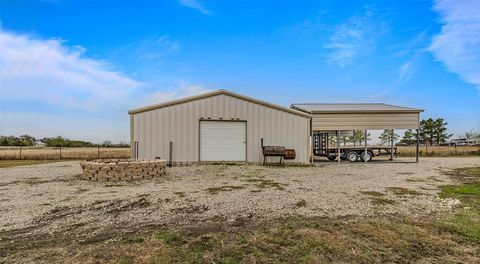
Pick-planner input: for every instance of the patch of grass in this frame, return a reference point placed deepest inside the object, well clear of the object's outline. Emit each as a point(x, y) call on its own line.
point(226, 188)
point(381, 201)
point(403, 191)
point(466, 222)
point(435, 179)
point(373, 193)
point(81, 190)
point(180, 194)
point(113, 185)
point(314, 240)
point(464, 192)
point(414, 180)
point(126, 259)
point(132, 239)
point(299, 165)
point(254, 173)
point(295, 240)
point(168, 237)
point(14, 163)
point(301, 203)
point(265, 183)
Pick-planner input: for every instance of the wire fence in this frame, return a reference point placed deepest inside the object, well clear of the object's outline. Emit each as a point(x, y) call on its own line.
point(51, 153)
point(439, 150)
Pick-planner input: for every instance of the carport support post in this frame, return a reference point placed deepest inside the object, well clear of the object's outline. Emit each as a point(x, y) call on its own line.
point(391, 145)
point(418, 145)
point(366, 149)
point(338, 144)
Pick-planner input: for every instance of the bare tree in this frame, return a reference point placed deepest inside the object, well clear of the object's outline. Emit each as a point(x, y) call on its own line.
point(468, 135)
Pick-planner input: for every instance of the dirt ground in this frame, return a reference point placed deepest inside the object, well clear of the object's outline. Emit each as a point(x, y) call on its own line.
point(49, 202)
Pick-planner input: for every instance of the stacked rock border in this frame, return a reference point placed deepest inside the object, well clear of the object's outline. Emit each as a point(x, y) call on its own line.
point(122, 169)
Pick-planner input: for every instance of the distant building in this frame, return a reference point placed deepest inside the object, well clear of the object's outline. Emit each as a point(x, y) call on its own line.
point(40, 144)
point(465, 142)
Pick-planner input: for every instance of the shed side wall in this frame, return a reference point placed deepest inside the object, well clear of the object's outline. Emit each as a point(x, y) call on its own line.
point(154, 129)
point(349, 121)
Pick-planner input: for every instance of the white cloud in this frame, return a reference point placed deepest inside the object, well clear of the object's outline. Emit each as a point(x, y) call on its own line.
point(49, 72)
point(195, 4)
point(48, 88)
point(180, 90)
point(458, 43)
point(405, 72)
point(150, 49)
point(353, 39)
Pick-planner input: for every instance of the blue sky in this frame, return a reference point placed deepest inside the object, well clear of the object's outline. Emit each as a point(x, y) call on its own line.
point(73, 68)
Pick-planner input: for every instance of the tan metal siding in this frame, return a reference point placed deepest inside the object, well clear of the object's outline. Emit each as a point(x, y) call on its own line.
point(179, 123)
point(347, 121)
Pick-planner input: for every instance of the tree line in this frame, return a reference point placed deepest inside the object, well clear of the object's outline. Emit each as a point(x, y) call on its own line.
point(432, 132)
point(27, 140)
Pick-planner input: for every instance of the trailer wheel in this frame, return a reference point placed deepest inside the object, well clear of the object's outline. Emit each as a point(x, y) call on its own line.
point(331, 157)
point(367, 157)
point(352, 156)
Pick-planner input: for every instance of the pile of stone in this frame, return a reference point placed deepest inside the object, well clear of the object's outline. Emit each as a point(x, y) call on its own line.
point(122, 169)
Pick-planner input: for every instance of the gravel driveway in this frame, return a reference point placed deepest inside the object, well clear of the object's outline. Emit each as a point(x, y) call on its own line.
point(50, 199)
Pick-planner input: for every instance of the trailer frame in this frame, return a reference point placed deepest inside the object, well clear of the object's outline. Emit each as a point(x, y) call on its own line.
point(321, 149)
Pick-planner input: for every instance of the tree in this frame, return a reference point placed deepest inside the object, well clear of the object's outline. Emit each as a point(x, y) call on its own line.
point(359, 136)
point(386, 136)
point(107, 143)
point(122, 144)
point(433, 131)
point(427, 131)
point(468, 135)
point(24, 140)
point(344, 139)
point(409, 137)
point(55, 141)
point(441, 135)
point(332, 140)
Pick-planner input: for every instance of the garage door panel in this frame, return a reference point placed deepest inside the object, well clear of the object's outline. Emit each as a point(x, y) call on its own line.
point(222, 141)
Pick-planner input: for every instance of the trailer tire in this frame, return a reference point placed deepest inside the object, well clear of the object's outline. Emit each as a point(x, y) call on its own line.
point(331, 157)
point(352, 156)
point(368, 157)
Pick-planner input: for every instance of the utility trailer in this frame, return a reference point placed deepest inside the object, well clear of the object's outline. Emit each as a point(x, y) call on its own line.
point(321, 149)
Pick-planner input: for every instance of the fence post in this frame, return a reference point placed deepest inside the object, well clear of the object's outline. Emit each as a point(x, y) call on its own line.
point(170, 154)
point(455, 148)
point(60, 152)
point(98, 154)
point(20, 152)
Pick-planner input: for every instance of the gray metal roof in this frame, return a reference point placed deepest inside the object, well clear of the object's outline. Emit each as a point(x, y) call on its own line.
point(370, 107)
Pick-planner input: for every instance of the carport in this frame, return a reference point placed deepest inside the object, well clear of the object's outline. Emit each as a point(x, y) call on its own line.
point(343, 119)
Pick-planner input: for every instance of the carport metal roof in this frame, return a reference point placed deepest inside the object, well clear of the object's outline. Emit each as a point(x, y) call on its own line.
point(373, 116)
point(356, 107)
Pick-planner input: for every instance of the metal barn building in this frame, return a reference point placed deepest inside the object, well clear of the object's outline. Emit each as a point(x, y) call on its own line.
point(225, 126)
point(217, 126)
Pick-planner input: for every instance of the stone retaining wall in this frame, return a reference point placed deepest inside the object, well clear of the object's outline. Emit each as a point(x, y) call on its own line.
point(122, 170)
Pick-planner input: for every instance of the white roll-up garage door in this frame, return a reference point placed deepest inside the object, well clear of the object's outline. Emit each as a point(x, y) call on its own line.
point(223, 141)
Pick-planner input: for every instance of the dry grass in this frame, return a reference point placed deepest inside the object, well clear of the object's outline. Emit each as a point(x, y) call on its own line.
point(403, 191)
point(295, 240)
point(440, 151)
point(34, 153)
